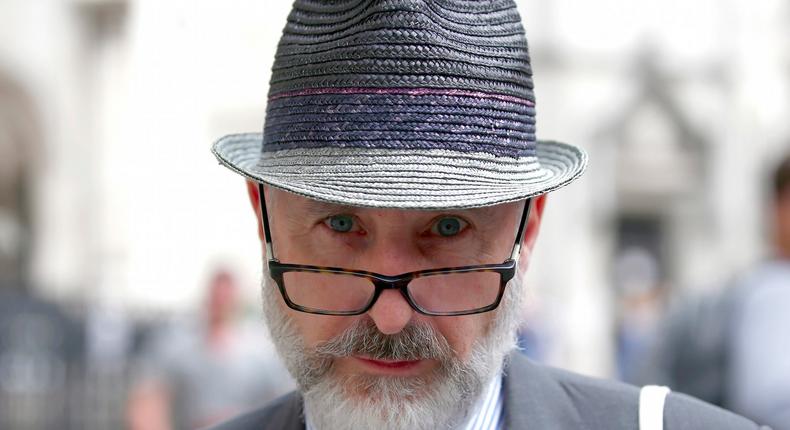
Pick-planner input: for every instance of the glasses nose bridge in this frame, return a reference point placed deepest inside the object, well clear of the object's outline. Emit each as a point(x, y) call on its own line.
point(391, 283)
point(384, 283)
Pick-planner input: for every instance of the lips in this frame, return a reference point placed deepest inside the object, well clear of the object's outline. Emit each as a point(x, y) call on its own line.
point(390, 363)
point(389, 366)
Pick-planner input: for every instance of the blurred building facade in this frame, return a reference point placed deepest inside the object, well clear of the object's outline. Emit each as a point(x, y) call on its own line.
point(110, 197)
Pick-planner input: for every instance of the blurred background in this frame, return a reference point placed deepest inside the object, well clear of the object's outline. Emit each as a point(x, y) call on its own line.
point(129, 260)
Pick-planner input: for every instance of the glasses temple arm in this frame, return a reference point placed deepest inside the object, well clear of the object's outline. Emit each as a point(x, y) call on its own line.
point(519, 236)
point(265, 222)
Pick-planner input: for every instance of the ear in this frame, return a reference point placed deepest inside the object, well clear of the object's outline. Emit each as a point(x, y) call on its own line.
point(532, 228)
point(255, 201)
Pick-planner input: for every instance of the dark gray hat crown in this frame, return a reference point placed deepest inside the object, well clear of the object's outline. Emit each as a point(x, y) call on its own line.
point(473, 45)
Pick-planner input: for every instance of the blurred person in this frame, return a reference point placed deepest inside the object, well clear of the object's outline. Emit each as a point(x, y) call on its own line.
point(760, 363)
point(199, 374)
point(730, 347)
point(41, 356)
point(399, 190)
point(640, 294)
point(690, 351)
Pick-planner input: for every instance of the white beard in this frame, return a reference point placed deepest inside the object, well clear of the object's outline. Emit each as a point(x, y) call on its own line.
point(442, 400)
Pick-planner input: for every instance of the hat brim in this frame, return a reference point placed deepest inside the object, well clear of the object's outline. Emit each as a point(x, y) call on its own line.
point(405, 179)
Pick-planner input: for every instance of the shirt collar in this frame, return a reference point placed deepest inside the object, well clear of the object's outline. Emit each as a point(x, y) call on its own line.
point(488, 414)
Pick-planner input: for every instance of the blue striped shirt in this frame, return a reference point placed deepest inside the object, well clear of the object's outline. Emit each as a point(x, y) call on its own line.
point(489, 409)
point(488, 413)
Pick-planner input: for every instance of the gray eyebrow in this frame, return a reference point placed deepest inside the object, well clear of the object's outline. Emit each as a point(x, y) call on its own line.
point(485, 211)
point(317, 208)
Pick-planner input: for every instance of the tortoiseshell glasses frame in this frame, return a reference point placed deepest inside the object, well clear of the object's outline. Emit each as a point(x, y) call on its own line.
point(506, 271)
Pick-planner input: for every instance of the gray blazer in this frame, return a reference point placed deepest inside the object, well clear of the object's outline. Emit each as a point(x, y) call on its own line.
point(539, 397)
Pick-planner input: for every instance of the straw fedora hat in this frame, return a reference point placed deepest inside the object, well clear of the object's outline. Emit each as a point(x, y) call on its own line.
point(416, 104)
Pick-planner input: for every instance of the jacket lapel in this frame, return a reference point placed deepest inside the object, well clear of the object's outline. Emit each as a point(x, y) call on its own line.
point(533, 399)
point(288, 416)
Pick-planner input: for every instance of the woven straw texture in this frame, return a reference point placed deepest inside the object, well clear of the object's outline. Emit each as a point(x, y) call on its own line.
point(408, 179)
point(403, 103)
point(475, 45)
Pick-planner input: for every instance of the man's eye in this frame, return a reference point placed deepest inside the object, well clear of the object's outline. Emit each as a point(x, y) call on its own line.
point(448, 226)
point(340, 223)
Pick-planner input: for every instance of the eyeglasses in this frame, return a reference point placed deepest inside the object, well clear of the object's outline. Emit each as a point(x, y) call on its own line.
point(447, 291)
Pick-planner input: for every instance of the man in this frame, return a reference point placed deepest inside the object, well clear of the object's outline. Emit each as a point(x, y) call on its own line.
point(759, 385)
point(729, 347)
point(399, 190)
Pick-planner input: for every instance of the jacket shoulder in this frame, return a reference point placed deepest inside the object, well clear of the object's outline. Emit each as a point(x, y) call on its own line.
point(599, 403)
point(284, 413)
point(597, 400)
point(686, 412)
point(568, 400)
point(538, 396)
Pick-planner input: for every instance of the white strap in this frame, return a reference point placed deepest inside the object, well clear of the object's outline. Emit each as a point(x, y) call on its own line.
point(651, 407)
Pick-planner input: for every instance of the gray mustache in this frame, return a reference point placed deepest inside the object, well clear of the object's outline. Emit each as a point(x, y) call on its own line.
point(414, 342)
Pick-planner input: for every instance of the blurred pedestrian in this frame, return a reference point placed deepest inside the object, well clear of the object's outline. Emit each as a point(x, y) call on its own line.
point(641, 298)
point(41, 355)
point(197, 373)
point(759, 371)
point(731, 347)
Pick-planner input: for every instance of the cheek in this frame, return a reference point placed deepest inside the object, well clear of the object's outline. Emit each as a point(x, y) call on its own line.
point(462, 332)
point(315, 329)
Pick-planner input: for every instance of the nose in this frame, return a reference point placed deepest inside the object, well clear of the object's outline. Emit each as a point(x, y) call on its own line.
point(392, 252)
point(391, 312)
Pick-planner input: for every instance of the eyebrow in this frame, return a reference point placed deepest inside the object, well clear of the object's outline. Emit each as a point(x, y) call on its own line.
point(317, 208)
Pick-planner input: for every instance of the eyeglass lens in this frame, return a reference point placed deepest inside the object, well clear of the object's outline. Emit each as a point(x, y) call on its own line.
point(440, 293)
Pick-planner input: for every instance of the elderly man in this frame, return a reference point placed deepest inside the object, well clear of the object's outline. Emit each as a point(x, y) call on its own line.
point(399, 189)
